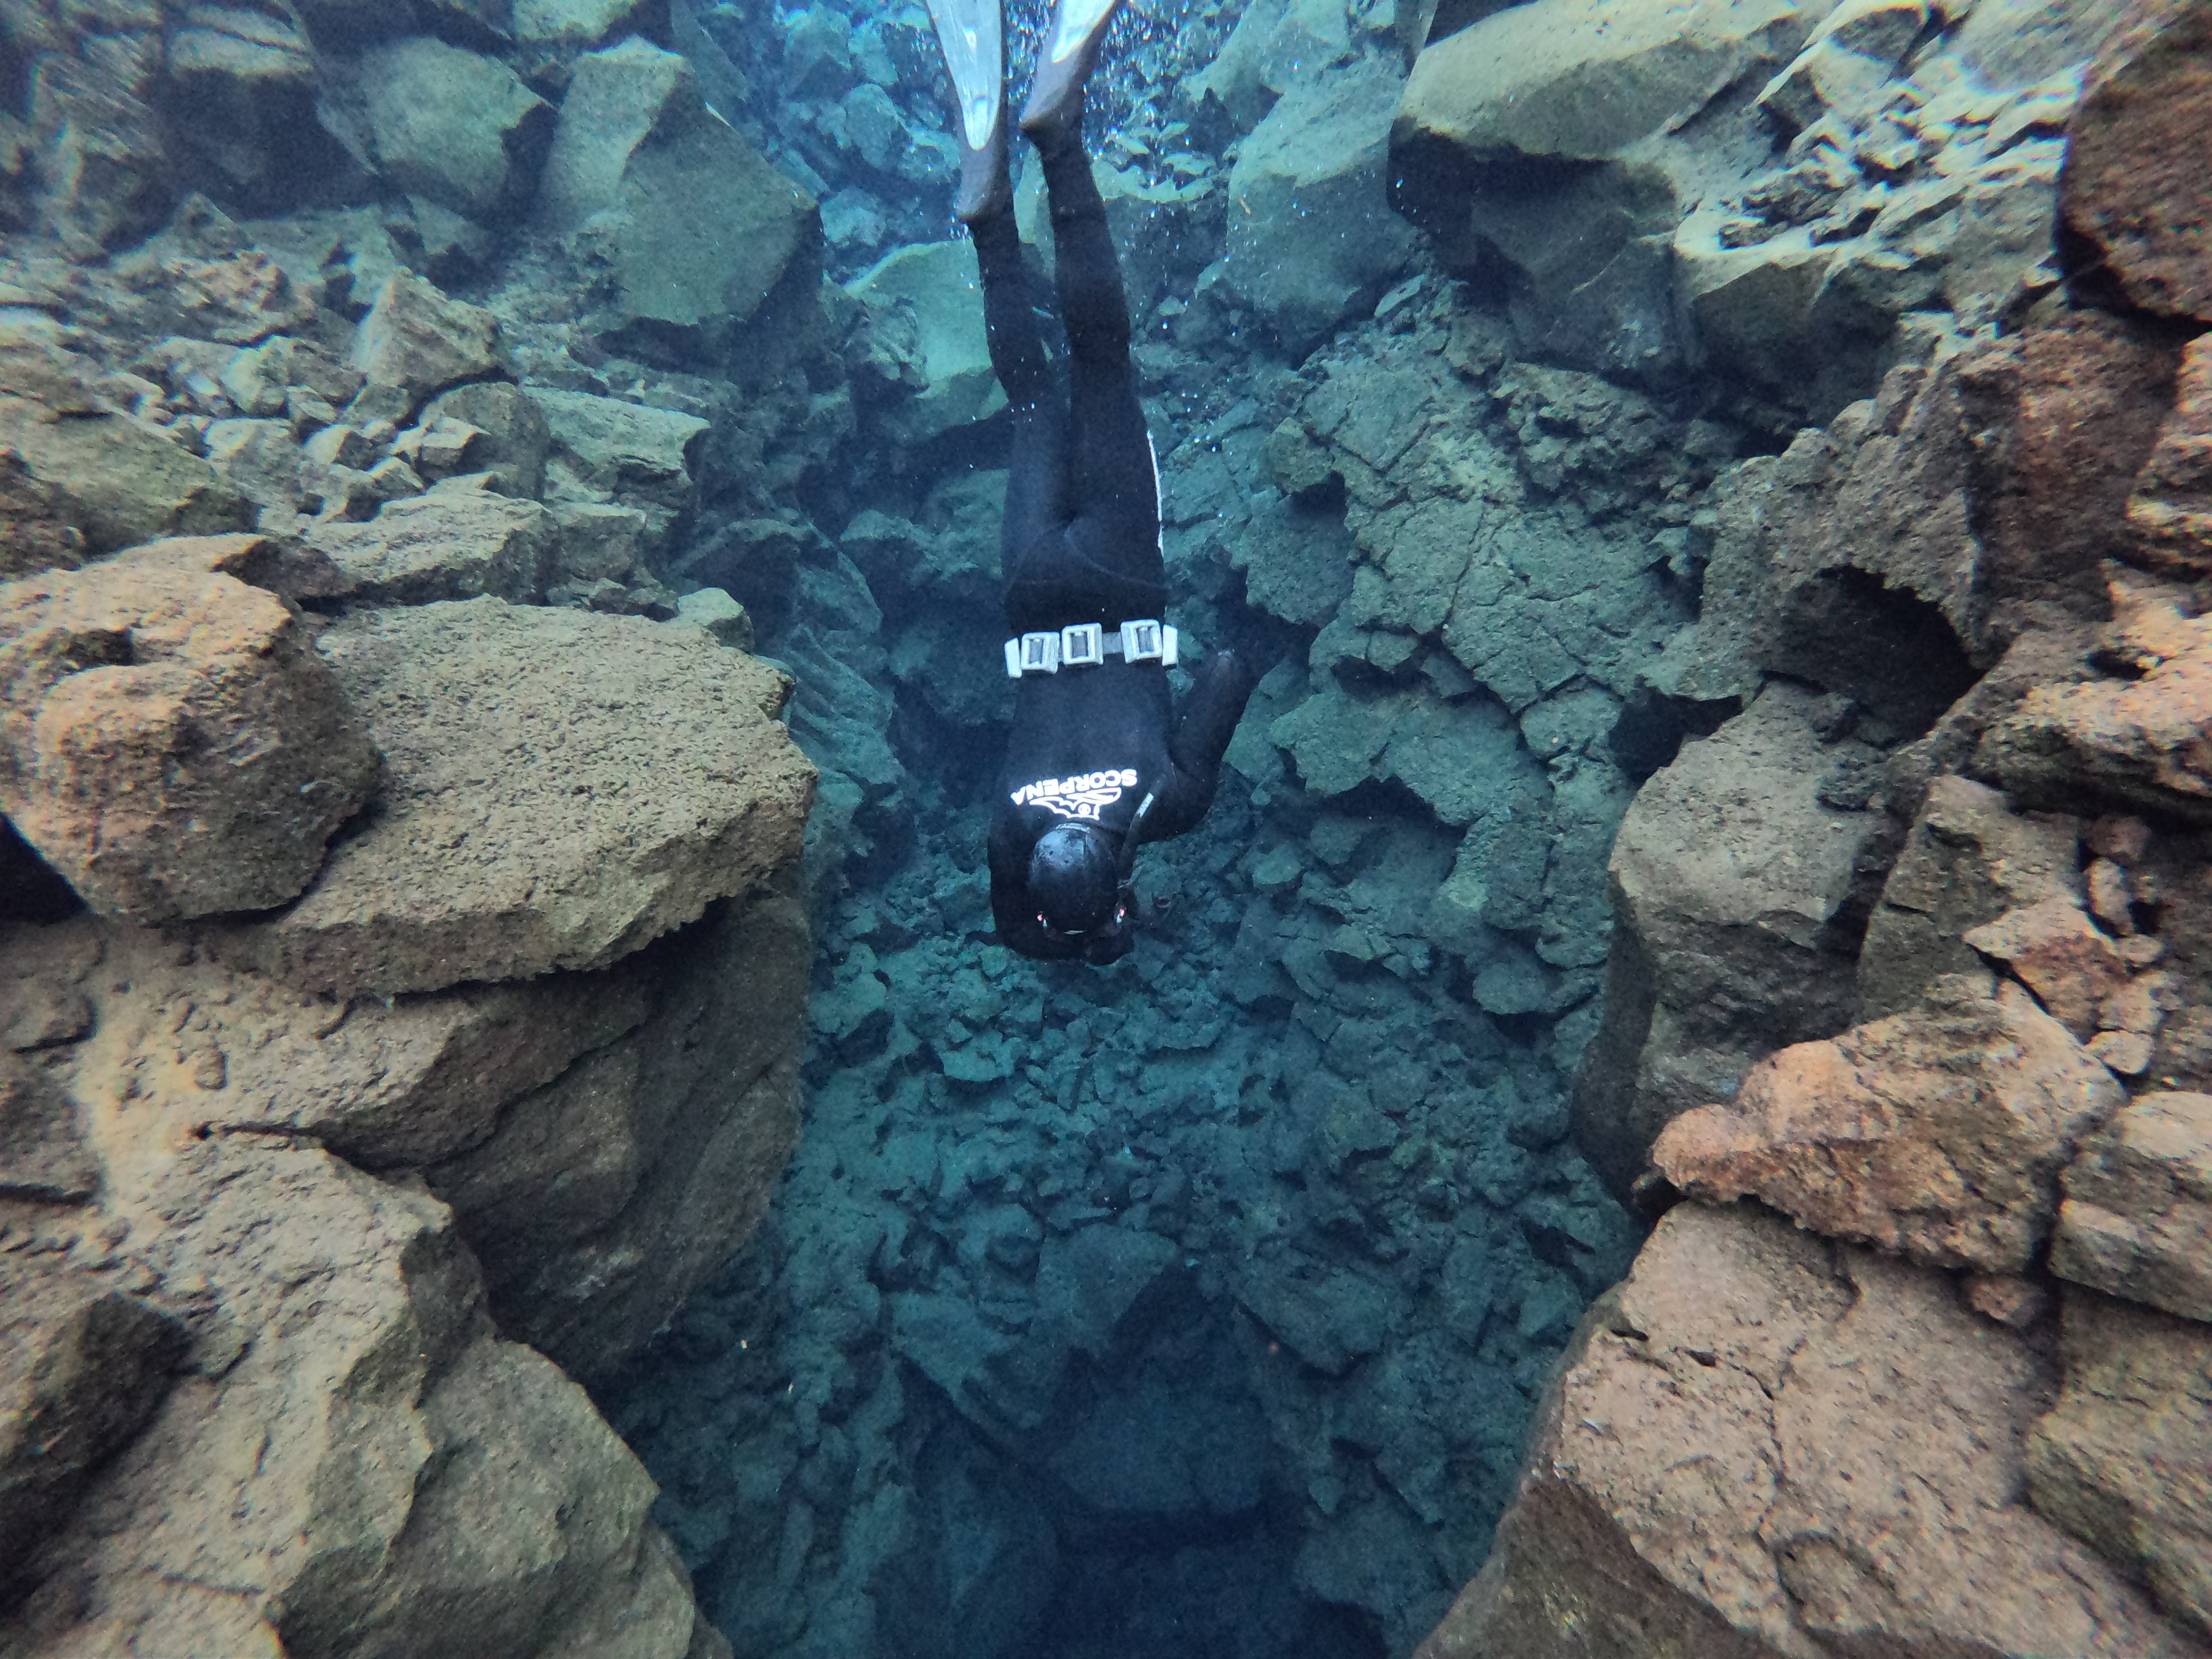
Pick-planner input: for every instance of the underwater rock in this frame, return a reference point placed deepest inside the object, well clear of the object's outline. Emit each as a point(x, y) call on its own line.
point(2171, 512)
point(1938, 1132)
point(2137, 1219)
point(1853, 562)
point(2129, 192)
point(114, 479)
point(633, 455)
point(1735, 888)
point(936, 284)
point(415, 342)
point(1276, 45)
point(1789, 1363)
point(456, 543)
point(2135, 740)
point(1310, 240)
point(173, 745)
point(394, 1474)
point(695, 226)
point(84, 1364)
point(2066, 416)
point(1518, 136)
point(35, 533)
point(522, 826)
point(2059, 953)
point(601, 1200)
point(244, 83)
point(514, 435)
point(1967, 861)
point(2115, 1462)
point(549, 34)
point(43, 1154)
point(104, 176)
point(450, 126)
point(1855, 48)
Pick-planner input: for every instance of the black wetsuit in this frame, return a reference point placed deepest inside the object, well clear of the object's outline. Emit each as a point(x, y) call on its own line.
point(1081, 544)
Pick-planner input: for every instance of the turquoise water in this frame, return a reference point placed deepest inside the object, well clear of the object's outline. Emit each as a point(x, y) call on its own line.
point(1199, 1306)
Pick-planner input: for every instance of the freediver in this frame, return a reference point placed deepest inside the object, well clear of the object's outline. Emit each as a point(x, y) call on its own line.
point(1097, 764)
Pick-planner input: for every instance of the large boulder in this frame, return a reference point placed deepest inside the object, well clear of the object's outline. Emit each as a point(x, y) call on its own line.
point(524, 824)
point(1937, 1134)
point(1761, 1440)
point(1521, 141)
point(935, 283)
point(1311, 238)
point(2137, 1219)
point(415, 342)
point(2133, 193)
point(1736, 894)
point(85, 466)
point(697, 227)
point(455, 543)
point(452, 126)
point(169, 740)
point(243, 83)
point(605, 451)
point(2119, 1463)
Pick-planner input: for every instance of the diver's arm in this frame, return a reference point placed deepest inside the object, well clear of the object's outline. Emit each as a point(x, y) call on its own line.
point(1222, 687)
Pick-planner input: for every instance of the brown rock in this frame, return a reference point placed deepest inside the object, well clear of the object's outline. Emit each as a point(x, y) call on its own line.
point(1967, 861)
point(2135, 189)
point(605, 1198)
point(112, 478)
point(2058, 953)
point(1734, 890)
point(169, 741)
point(384, 1083)
point(2066, 417)
point(288, 568)
point(36, 531)
point(2171, 512)
point(528, 822)
point(2137, 1218)
point(415, 342)
point(2123, 840)
point(456, 543)
point(82, 1366)
point(2120, 1463)
point(1938, 1132)
point(43, 1156)
point(1763, 1444)
point(356, 1463)
point(2008, 1298)
point(2142, 740)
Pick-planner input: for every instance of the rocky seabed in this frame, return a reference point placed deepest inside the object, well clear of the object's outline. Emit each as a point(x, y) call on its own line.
point(1666, 1110)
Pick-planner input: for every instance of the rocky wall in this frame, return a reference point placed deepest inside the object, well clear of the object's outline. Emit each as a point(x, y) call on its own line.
point(1954, 1043)
point(403, 942)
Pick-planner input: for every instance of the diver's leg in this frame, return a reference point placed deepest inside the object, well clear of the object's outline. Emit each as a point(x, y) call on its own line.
point(1036, 468)
point(1113, 483)
point(972, 34)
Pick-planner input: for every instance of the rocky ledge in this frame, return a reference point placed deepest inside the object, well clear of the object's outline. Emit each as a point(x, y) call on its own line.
point(407, 973)
point(1911, 953)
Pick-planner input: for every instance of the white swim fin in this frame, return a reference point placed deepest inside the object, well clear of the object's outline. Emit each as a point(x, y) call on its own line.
point(1070, 47)
point(972, 35)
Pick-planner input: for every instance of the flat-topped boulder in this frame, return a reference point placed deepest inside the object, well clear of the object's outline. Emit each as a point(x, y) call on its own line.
point(455, 543)
point(562, 787)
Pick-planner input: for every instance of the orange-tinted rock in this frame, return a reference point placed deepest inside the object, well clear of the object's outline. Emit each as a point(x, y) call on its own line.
point(2171, 512)
point(170, 742)
point(1938, 1132)
point(2137, 1219)
point(2136, 189)
point(2146, 740)
point(2120, 1463)
point(2067, 414)
point(1762, 1444)
point(2058, 953)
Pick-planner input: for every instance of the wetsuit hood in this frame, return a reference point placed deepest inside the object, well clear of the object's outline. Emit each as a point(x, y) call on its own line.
point(1074, 877)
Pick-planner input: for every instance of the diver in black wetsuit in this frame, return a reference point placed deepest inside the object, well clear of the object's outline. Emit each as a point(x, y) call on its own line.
point(1097, 764)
